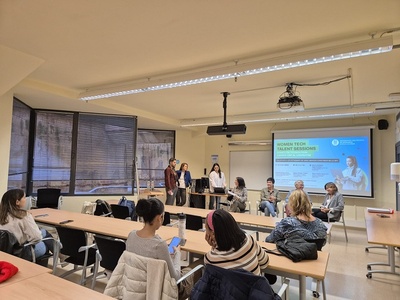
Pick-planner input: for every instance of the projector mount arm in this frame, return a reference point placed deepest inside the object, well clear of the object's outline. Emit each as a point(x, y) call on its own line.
point(224, 105)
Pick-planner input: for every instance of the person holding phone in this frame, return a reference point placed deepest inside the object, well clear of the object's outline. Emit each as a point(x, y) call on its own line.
point(146, 242)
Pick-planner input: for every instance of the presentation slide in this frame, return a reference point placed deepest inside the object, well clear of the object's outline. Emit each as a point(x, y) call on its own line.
point(339, 155)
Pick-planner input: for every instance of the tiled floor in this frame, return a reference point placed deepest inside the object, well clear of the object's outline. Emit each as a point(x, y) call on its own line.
point(346, 271)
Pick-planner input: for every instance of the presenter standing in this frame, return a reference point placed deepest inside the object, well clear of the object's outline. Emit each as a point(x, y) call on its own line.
point(217, 179)
point(170, 178)
point(184, 180)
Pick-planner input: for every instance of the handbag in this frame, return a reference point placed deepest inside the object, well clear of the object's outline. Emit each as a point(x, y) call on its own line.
point(296, 248)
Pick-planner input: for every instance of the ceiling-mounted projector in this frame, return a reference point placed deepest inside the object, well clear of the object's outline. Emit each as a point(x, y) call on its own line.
point(226, 129)
point(289, 101)
point(290, 104)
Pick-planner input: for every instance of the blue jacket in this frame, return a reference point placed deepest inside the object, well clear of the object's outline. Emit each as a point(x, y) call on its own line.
point(187, 177)
point(219, 283)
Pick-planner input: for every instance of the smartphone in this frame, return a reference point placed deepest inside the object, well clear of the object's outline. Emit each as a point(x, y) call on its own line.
point(66, 221)
point(174, 243)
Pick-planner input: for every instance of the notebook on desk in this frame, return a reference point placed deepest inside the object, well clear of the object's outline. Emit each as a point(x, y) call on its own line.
point(219, 190)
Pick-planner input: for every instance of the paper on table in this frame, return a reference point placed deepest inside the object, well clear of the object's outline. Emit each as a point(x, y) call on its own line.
point(380, 210)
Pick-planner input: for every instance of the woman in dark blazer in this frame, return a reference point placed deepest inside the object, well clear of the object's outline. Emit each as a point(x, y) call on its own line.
point(332, 206)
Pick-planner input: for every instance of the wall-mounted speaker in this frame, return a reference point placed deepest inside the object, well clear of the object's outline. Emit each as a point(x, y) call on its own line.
point(383, 124)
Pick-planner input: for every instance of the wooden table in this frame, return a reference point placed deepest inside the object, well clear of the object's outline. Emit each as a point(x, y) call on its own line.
point(48, 287)
point(94, 224)
point(262, 223)
point(150, 193)
point(383, 231)
point(26, 269)
point(278, 265)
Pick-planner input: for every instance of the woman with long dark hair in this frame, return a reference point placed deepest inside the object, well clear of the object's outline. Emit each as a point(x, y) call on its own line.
point(232, 248)
point(184, 181)
point(217, 179)
point(15, 219)
point(239, 198)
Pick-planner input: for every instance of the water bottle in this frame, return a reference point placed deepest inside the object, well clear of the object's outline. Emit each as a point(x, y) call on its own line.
point(148, 184)
point(152, 185)
point(182, 225)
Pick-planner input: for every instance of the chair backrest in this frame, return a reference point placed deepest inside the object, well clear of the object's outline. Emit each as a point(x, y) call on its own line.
point(9, 244)
point(119, 211)
point(194, 222)
point(167, 218)
point(48, 197)
point(110, 250)
point(71, 240)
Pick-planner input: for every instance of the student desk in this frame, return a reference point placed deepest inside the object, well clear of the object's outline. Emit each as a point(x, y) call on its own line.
point(107, 226)
point(383, 231)
point(26, 269)
point(278, 265)
point(48, 287)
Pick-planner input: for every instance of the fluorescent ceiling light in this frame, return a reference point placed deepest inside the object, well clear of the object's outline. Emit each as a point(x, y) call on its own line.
point(352, 50)
point(250, 143)
point(331, 113)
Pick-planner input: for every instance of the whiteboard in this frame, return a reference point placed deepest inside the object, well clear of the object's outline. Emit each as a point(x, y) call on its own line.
point(254, 166)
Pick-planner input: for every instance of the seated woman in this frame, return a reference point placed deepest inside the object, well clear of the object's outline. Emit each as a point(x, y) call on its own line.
point(332, 206)
point(232, 248)
point(301, 222)
point(269, 197)
point(15, 219)
point(239, 199)
point(146, 242)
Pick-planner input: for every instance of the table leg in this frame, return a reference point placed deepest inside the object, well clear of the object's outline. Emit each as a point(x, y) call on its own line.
point(302, 287)
point(391, 263)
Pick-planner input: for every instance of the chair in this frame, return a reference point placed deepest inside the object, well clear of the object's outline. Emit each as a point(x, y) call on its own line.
point(341, 220)
point(236, 283)
point(10, 245)
point(167, 218)
point(137, 275)
point(320, 243)
point(120, 212)
point(48, 198)
point(109, 250)
point(194, 222)
point(80, 254)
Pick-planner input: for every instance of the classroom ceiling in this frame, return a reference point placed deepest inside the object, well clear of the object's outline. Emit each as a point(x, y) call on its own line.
point(52, 51)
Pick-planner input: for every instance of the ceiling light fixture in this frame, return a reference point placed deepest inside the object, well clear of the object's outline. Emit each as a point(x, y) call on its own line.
point(355, 49)
point(312, 114)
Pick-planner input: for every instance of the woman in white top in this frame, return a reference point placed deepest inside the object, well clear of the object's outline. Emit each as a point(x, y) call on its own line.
point(15, 219)
point(217, 179)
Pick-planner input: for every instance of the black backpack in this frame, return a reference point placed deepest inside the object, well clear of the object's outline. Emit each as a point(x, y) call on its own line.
point(102, 208)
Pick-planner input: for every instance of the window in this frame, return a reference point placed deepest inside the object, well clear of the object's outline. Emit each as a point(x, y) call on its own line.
point(84, 153)
point(105, 154)
point(52, 150)
point(154, 149)
point(19, 150)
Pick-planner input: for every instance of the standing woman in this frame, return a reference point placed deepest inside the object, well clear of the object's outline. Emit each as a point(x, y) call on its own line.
point(184, 180)
point(145, 242)
point(217, 179)
point(239, 199)
point(15, 219)
point(332, 206)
